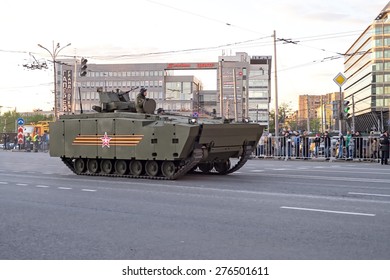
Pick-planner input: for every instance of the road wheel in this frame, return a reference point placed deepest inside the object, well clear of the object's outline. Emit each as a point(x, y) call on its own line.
point(93, 165)
point(79, 165)
point(205, 167)
point(106, 166)
point(168, 168)
point(222, 167)
point(151, 168)
point(121, 167)
point(135, 167)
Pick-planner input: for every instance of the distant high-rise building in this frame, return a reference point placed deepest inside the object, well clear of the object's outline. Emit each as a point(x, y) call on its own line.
point(367, 68)
point(246, 84)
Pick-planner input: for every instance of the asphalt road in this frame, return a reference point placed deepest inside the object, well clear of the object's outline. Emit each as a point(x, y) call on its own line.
point(270, 209)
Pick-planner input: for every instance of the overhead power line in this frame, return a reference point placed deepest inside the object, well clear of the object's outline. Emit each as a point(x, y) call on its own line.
point(178, 51)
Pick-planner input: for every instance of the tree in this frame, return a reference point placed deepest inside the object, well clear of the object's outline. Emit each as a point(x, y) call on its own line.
point(284, 111)
point(8, 120)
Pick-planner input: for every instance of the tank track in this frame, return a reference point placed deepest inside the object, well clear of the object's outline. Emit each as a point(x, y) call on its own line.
point(197, 156)
point(246, 154)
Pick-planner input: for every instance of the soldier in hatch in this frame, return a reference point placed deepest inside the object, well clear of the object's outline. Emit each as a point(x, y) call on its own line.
point(141, 97)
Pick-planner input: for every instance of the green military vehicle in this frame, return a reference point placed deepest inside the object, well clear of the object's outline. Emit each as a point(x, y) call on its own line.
point(117, 141)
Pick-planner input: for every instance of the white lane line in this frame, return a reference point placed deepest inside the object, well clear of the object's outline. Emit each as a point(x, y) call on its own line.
point(257, 170)
point(3, 183)
point(328, 211)
point(42, 186)
point(370, 194)
point(64, 188)
point(88, 190)
point(21, 184)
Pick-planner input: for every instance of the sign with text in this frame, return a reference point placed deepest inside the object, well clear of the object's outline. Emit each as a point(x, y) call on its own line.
point(67, 86)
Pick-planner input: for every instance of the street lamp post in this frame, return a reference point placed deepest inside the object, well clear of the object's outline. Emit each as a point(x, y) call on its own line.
point(53, 54)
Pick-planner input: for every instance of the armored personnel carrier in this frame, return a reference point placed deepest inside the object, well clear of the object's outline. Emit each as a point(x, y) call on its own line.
point(117, 141)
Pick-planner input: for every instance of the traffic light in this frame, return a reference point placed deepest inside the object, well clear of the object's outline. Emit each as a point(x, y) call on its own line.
point(335, 109)
point(346, 109)
point(83, 67)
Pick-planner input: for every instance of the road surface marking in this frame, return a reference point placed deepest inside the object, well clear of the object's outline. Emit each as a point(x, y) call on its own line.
point(88, 190)
point(21, 184)
point(42, 186)
point(328, 211)
point(370, 194)
point(64, 188)
point(3, 183)
point(257, 170)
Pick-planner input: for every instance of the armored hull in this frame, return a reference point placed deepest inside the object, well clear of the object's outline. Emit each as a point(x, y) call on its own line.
point(128, 144)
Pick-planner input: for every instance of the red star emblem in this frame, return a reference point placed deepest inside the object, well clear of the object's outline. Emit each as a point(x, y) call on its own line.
point(105, 140)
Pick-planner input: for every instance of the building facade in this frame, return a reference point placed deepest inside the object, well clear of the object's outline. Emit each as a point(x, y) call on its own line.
point(246, 87)
point(317, 113)
point(367, 69)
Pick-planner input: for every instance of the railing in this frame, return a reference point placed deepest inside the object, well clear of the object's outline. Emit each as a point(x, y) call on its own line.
point(365, 148)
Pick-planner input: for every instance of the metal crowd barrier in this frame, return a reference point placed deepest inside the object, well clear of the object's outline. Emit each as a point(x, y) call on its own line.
point(364, 148)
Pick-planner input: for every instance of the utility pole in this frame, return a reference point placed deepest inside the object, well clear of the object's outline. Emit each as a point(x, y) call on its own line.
point(74, 85)
point(323, 118)
point(235, 95)
point(221, 90)
point(54, 54)
point(353, 113)
point(340, 110)
point(308, 112)
point(276, 90)
point(340, 79)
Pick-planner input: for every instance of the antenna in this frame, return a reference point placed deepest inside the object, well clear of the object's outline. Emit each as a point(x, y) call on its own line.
point(81, 104)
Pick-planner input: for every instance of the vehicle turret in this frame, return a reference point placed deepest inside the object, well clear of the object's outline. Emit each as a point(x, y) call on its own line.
point(120, 101)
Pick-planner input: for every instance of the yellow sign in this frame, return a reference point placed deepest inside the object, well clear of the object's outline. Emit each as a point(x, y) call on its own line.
point(340, 79)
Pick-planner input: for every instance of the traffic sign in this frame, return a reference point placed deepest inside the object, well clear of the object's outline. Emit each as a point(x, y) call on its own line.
point(20, 121)
point(340, 79)
point(20, 134)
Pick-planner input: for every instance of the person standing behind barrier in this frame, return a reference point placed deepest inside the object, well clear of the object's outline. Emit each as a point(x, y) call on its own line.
point(358, 145)
point(15, 142)
point(374, 148)
point(327, 145)
point(305, 145)
point(260, 147)
point(270, 145)
point(28, 143)
point(5, 141)
point(341, 143)
point(348, 145)
point(35, 142)
point(297, 144)
point(286, 145)
point(317, 143)
point(384, 147)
